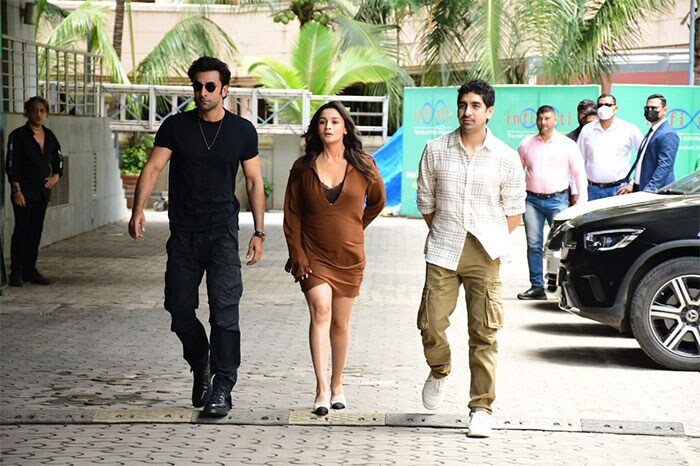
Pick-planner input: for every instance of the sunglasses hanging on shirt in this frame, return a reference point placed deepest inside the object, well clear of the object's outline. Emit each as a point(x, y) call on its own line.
point(210, 86)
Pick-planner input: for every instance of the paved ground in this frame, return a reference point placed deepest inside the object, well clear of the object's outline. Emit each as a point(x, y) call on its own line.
point(91, 374)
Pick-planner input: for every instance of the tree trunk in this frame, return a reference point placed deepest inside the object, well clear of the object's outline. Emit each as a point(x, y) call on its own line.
point(118, 27)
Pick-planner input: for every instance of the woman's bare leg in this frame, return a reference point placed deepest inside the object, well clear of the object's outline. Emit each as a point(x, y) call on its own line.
point(319, 299)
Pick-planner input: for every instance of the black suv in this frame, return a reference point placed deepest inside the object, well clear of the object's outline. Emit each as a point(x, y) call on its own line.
point(637, 267)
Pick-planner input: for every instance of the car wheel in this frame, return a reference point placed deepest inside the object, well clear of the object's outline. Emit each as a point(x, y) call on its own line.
point(665, 313)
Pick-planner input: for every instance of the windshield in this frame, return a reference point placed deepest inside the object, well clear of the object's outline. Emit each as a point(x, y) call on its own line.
point(689, 184)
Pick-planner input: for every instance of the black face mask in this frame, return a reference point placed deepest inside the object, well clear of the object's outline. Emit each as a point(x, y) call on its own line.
point(652, 116)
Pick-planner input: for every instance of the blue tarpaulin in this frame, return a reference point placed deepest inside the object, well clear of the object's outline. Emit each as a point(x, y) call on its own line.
point(389, 160)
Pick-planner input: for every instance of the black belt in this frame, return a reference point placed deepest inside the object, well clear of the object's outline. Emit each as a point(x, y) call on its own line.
point(606, 185)
point(546, 196)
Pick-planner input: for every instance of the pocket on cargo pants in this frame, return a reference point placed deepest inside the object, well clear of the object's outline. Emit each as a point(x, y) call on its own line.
point(494, 304)
point(422, 321)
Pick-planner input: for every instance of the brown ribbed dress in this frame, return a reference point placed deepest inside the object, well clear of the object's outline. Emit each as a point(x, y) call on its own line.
point(328, 237)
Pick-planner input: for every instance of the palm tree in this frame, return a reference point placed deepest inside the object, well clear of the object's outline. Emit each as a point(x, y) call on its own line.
point(118, 27)
point(320, 65)
point(493, 39)
point(594, 32)
point(190, 38)
point(86, 27)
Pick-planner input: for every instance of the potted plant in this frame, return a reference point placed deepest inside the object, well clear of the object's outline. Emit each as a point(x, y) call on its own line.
point(132, 161)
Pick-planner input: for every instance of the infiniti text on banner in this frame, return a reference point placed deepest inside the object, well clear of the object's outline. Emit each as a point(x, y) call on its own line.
point(432, 112)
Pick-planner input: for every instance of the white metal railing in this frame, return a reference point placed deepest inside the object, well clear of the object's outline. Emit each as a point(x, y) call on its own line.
point(68, 79)
point(273, 111)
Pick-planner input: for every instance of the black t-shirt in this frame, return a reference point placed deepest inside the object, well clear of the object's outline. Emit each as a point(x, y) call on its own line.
point(201, 193)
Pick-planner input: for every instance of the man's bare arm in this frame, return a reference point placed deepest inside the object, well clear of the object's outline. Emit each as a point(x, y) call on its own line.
point(254, 184)
point(147, 180)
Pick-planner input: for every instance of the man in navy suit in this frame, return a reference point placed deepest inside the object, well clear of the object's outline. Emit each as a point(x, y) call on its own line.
point(653, 167)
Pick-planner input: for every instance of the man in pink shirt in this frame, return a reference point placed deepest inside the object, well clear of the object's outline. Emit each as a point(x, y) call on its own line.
point(551, 160)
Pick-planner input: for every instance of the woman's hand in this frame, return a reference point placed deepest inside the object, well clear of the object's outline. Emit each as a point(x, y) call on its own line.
point(298, 271)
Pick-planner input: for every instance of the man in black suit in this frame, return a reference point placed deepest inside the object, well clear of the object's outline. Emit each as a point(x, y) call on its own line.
point(34, 164)
point(653, 167)
point(586, 113)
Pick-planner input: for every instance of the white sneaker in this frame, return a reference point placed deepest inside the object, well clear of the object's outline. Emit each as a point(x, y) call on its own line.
point(479, 424)
point(433, 392)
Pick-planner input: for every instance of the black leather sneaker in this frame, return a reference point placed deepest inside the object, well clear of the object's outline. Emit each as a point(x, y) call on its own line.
point(534, 292)
point(219, 402)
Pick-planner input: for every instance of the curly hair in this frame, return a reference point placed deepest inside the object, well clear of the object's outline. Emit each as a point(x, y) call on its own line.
point(352, 142)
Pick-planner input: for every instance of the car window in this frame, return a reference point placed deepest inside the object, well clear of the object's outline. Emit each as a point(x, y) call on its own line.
point(689, 184)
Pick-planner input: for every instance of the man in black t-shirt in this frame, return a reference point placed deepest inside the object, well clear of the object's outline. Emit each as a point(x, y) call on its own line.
point(204, 147)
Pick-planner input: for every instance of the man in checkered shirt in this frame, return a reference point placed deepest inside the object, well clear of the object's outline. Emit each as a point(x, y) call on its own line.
point(471, 193)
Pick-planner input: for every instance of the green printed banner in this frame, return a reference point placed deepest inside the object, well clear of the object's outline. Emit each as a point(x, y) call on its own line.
point(683, 115)
point(432, 112)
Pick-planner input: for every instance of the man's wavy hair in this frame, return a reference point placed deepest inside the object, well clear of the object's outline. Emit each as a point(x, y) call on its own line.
point(34, 100)
point(478, 87)
point(210, 64)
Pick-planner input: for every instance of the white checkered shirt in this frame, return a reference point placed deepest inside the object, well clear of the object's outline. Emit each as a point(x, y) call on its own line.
point(468, 195)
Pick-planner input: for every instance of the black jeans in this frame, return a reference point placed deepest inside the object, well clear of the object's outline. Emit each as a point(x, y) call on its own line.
point(29, 224)
point(189, 256)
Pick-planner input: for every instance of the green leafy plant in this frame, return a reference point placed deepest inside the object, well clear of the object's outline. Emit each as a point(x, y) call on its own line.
point(135, 157)
point(268, 187)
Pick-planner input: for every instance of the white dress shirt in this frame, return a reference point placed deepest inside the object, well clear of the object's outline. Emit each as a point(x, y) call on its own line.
point(607, 153)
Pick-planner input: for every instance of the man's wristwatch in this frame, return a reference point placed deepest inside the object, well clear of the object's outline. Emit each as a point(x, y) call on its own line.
point(16, 190)
point(259, 234)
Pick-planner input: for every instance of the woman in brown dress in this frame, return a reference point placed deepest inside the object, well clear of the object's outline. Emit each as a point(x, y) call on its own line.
point(334, 191)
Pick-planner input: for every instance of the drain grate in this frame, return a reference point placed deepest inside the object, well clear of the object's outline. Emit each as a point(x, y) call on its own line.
point(671, 429)
point(337, 419)
point(117, 416)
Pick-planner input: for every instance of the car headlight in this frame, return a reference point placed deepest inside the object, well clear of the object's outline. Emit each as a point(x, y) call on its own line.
point(608, 240)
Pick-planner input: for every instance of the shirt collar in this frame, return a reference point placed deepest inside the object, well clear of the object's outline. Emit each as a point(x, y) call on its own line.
point(555, 135)
point(455, 139)
point(656, 125)
point(613, 125)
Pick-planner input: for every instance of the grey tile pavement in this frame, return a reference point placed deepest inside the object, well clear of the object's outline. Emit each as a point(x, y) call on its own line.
point(95, 348)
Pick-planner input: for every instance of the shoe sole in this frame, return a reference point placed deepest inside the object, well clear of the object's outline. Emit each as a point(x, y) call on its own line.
point(215, 413)
point(475, 435)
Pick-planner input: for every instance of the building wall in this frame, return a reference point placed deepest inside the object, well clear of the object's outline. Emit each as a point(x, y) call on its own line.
point(251, 29)
point(95, 194)
point(255, 34)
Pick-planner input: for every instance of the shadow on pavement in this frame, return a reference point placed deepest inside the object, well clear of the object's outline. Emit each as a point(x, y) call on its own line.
point(551, 305)
point(583, 329)
point(634, 358)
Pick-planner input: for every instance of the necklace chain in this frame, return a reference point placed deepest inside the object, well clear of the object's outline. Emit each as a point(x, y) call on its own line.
point(209, 146)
